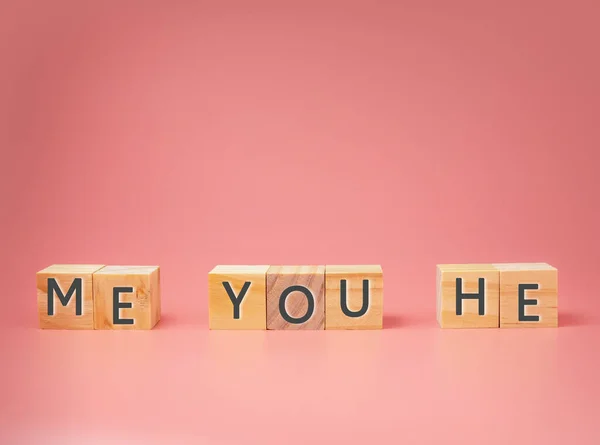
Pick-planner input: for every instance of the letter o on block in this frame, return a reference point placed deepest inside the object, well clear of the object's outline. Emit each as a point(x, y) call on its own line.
point(296, 297)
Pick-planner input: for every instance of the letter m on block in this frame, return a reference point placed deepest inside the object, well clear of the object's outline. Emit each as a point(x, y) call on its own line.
point(76, 288)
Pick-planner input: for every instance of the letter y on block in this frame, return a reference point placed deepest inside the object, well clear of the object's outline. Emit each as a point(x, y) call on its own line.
point(237, 297)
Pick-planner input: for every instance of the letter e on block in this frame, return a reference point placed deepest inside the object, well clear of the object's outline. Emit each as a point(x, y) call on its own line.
point(528, 295)
point(353, 297)
point(468, 296)
point(65, 296)
point(127, 297)
point(237, 297)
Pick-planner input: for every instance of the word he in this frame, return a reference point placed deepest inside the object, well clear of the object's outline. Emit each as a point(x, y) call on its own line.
point(295, 297)
point(497, 295)
point(98, 297)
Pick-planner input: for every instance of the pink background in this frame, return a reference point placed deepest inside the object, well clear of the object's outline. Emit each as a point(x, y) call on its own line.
point(189, 134)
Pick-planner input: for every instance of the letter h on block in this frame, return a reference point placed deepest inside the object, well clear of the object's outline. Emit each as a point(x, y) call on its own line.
point(468, 296)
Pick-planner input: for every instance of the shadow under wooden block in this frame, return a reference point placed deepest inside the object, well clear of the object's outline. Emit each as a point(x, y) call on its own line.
point(353, 297)
point(468, 296)
point(65, 295)
point(127, 297)
point(237, 297)
point(296, 297)
point(528, 295)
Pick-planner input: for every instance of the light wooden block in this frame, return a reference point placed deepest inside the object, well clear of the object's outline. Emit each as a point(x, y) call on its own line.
point(137, 291)
point(294, 287)
point(538, 307)
point(347, 306)
point(470, 275)
point(73, 284)
point(237, 297)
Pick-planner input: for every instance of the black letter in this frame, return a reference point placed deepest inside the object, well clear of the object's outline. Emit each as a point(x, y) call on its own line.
point(237, 301)
point(118, 305)
point(75, 287)
point(309, 311)
point(365, 305)
point(523, 302)
point(478, 296)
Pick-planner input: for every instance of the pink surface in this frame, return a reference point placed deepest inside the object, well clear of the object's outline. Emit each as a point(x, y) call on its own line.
point(187, 134)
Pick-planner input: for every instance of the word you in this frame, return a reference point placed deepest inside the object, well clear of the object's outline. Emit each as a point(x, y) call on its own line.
point(295, 297)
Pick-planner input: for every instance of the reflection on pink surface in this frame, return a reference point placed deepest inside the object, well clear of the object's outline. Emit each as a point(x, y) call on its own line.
point(405, 134)
point(194, 386)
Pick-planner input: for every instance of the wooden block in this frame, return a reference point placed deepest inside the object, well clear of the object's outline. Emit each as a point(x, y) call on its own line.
point(468, 296)
point(296, 297)
point(528, 295)
point(237, 297)
point(65, 296)
point(353, 297)
point(127, 297)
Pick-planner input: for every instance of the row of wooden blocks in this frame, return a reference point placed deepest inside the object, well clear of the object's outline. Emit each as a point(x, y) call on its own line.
point(98, 297)
point(506, 295)
point(295, 297)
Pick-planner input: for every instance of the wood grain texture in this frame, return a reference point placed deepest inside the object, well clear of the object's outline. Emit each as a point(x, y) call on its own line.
point(470, 275)
point(541, 274)
point(252, 313)
point(65, 317)
point(145, 298)
point(353, 276)
point(280, 278)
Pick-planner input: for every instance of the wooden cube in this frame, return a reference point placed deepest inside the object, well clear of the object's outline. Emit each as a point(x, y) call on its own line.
point(468, 296)
point(528, 295)
point(237, 297)
point(127, 297)
point(296, 297)
point(353, 297)
point(65, 295)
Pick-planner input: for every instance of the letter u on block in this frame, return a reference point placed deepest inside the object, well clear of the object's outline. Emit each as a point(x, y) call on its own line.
point(353, 297)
